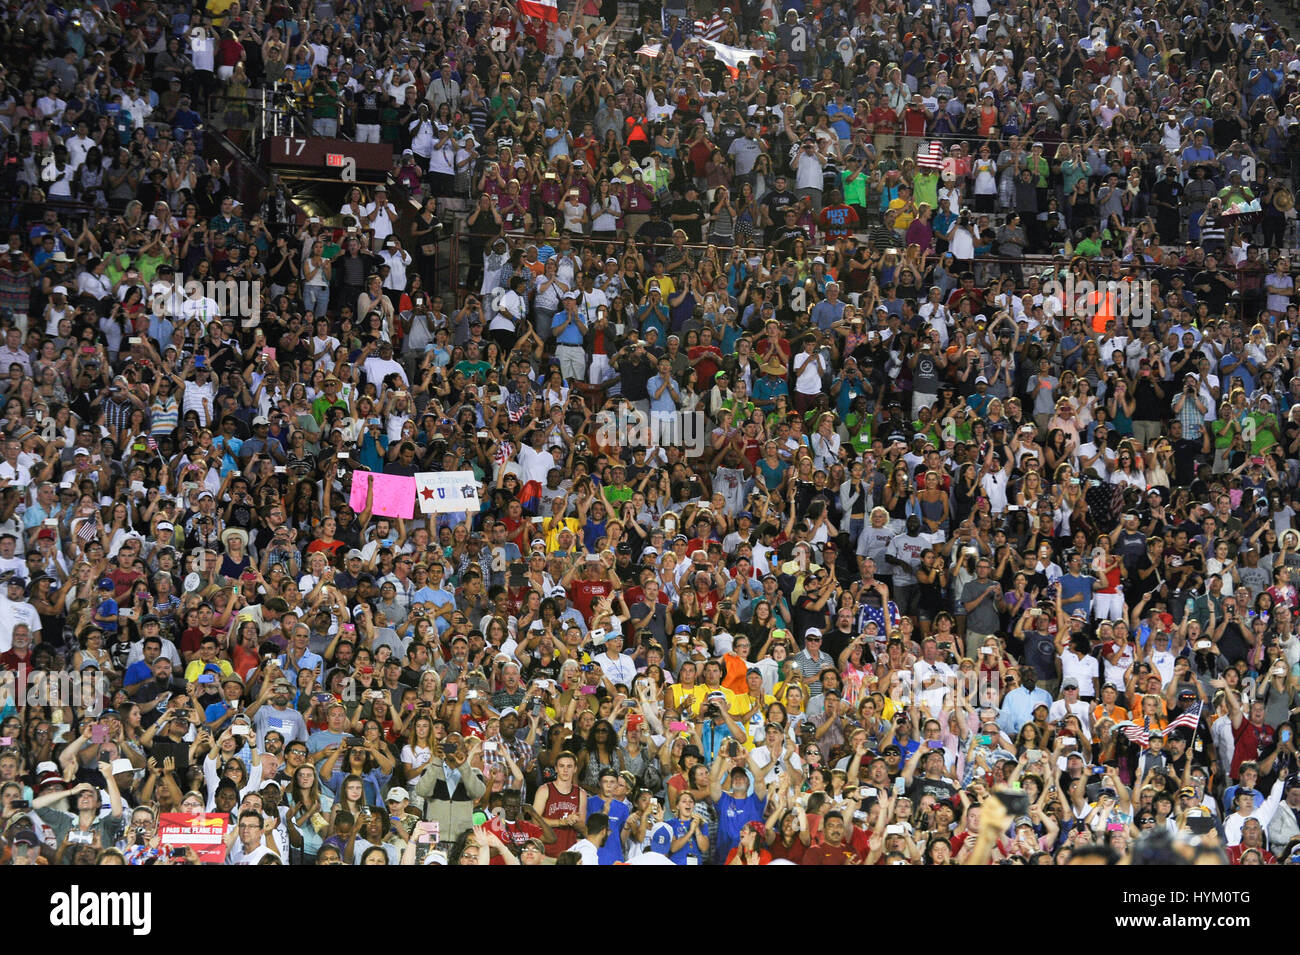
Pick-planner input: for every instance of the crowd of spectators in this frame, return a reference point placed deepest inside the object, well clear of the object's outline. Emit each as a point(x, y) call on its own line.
point(886, 420)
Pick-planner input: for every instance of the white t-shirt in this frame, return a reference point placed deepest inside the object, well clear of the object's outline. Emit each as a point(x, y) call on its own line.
point(808, 171)
point(1060, 710)
point(377, 369)
point(535, 464)
point(510, 311)
point(995, 488)
point(12, 613)
point(1114, 672)
point(809, 381)
point(604, 218)
point(237, 855)
point(203, 51)
point(382, 224)
point(587, 849)
point(1085, 669)
point(328, 345)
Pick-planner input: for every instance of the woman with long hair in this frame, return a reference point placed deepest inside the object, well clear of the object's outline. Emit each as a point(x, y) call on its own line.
point(310, 809)
point(602, 755)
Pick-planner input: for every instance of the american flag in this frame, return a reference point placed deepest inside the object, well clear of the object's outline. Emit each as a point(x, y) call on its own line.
point(151, 443)
point(930, 155)
point(87, 531)
point(712, 28)
point(1138, 734)
point(1191, 718)
point(505, 451)
point(516, 406)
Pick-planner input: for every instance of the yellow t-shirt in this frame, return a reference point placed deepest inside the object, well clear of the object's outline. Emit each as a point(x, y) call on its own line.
point(904, 217)
point(666, 285)
point(218, 10)
point(754, 727)
point(682, 699)
point(701, 691)
point(196, 667)
point(552, 527)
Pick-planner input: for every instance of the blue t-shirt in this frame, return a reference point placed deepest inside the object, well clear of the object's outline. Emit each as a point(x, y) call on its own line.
point(733, 813)
point(139, 672)
point(661, 841)
point(108, 608)
point(980, 403)
point(319, 740)
point(1072, 586)
point(618, 812)
point(215, 711)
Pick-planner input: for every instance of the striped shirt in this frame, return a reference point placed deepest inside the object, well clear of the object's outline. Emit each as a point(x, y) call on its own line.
point(117, 414)
point(1192, 418)
point(164, 416)
point(1212, 229)
point(194, 398)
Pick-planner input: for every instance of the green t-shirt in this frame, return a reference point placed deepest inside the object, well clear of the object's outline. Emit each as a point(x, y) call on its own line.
point(1039, 168)
point(1071, 173)
point(322, 404)
point(925, 188)
point(932, 431)
point(614, 496)
point(859, 428)
point(1088, 248)
point(325, 100)
point(148, 265)
point(501, 107)
point(115, 266)
point(1266, 432)
point(855, 192)
point(389, 131)
point(1223, 429)
point(738, 415)
point(472, 368)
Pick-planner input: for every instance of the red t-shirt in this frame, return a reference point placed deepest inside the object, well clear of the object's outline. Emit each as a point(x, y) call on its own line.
point(190, 640)
point(829, 855)
point(513, 834)
point(884, 119)
point(228, 52)
point(584, 593)
point(794, 852)
point(1251, 740)
point(330, 547)
point(764, 857)
point(536, 28)
point(959, 840)
point(708, 368)
point(860, 841)
point(1235, 853)
point(472, 727)
point(123, 580)
point(515, 531)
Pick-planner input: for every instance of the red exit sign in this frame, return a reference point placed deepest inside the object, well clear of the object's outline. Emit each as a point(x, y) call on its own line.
point(334, 160)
